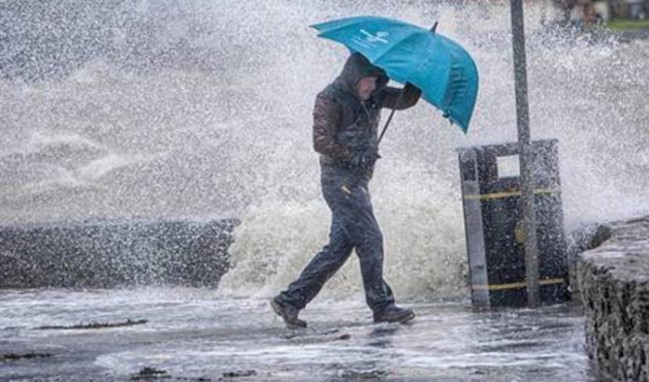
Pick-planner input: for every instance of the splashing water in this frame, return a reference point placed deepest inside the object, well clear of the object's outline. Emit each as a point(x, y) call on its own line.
point(195, 109)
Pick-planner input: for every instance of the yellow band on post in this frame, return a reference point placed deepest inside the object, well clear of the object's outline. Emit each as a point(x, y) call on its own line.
point(516, 285)
point(507, 194)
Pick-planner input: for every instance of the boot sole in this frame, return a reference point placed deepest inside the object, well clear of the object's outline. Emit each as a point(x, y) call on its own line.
point(289, 324)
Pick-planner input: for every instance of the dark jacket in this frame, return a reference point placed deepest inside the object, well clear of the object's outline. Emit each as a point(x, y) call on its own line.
point(343, 124)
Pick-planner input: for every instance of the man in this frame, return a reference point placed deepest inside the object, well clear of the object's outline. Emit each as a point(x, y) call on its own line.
point(346, 120)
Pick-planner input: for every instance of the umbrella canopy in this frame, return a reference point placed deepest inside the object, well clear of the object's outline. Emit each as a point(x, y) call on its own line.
point(440, 67)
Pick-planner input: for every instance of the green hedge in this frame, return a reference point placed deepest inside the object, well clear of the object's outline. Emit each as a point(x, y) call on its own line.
point(628, 24)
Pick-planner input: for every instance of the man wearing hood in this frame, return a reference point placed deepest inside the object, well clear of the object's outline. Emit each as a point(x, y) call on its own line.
point(345, 134)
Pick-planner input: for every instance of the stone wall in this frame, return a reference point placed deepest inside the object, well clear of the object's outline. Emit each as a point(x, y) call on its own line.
point(115, 253)
point(613, 283)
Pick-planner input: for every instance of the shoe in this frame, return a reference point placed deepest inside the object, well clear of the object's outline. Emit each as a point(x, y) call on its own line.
point(394, 314)
point(288, 314)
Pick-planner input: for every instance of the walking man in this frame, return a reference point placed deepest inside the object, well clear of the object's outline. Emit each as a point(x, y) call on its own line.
point(345, 134)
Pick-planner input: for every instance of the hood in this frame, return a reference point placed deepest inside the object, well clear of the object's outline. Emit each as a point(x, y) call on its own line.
point(357, 67)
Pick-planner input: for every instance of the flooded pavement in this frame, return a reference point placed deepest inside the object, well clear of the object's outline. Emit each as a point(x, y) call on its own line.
point(193, 335)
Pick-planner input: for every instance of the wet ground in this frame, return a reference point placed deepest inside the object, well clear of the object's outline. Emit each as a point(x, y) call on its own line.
point(192, 335)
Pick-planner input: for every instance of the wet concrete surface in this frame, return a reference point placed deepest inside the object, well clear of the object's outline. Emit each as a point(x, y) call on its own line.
point(193, 335)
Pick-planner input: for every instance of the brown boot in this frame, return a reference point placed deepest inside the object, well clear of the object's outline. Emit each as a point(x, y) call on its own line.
point(392, 313)
point(288, 314)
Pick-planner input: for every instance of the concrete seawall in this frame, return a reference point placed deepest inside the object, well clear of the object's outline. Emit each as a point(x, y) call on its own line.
point(115, 253)
point(613, 285)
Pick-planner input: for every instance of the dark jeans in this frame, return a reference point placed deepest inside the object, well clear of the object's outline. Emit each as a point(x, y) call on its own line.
point(353, 226)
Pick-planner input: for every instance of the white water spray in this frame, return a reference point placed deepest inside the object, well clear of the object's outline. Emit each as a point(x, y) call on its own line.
point(201, 110)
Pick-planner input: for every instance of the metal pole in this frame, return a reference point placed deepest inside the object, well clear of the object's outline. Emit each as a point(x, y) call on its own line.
point(525, 155)
point(387, 123)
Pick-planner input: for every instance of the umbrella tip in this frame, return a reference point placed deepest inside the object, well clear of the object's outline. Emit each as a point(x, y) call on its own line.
point(434, 28)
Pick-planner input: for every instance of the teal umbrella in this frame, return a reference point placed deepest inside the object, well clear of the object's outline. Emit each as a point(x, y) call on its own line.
point(440, 67)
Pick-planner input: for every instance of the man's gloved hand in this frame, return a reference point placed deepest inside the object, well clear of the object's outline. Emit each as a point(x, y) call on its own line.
point(363, 159)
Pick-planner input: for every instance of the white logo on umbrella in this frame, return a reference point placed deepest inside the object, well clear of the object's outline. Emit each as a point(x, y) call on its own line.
point(379, 37)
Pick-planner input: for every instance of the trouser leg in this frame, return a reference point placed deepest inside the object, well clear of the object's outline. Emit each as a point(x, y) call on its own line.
point(353, 206)
point(320, 269)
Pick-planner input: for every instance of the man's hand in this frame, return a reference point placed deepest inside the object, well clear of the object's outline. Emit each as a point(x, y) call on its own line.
point(364, 159)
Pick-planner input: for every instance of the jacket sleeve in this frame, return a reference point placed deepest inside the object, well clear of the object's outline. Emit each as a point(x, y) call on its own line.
point(410, 97)
point(326, 117)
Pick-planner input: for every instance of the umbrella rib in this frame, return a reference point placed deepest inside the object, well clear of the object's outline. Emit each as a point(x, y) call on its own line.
point(409, 36)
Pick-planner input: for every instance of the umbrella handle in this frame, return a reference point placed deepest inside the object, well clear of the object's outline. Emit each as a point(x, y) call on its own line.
point(387, 123)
